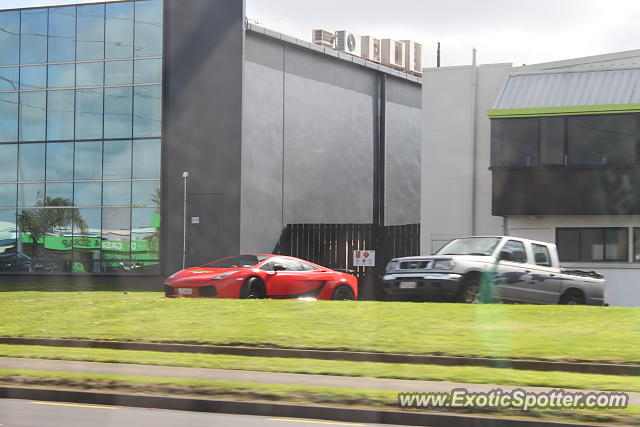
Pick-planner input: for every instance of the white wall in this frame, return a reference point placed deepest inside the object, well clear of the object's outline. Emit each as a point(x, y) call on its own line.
point(622, 278)
point(448, 110)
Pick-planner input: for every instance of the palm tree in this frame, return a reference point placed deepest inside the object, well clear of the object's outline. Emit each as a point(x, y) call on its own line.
point(39, 221)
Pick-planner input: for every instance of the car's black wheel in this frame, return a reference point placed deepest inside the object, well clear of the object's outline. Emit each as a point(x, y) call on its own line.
point(342, 293)
point(572, 298)
point(469, 293)
point(253, 288)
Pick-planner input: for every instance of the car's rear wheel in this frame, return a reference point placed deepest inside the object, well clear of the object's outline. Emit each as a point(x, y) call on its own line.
point(253, 288)
point(342, 293)
point(572, 298)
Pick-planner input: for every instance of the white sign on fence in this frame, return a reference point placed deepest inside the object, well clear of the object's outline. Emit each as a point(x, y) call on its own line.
point(364, 258)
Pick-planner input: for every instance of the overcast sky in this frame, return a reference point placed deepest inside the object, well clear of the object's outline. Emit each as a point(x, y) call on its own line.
point(502, 30)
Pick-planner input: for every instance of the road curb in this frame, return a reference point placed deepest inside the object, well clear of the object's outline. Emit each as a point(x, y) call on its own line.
point(271, 409)
point(520, 364)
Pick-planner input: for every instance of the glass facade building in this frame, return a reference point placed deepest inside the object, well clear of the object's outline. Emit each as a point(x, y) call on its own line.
point(80, 138)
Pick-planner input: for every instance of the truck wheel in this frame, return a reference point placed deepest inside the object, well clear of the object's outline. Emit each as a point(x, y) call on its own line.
point(572, 298)
point(469, 293)
point(253, 288)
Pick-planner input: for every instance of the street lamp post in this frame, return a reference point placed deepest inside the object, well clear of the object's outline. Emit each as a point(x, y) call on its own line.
point(184, 220)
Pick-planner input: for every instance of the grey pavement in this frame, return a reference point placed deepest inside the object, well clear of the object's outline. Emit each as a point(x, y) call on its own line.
point(25, 413)
point(263, 377)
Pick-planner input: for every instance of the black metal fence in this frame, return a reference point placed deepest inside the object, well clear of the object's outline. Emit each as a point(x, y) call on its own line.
point(332, 245)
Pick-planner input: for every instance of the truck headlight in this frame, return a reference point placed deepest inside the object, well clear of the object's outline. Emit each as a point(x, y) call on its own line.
point(444, 264)
point(391, 265)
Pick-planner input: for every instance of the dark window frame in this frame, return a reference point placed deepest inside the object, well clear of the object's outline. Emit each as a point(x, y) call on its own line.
point(604, 231)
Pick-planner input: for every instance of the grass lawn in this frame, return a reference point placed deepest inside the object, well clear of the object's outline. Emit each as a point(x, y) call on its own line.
point(469, 374)
point(313, 395)
point(573, 333)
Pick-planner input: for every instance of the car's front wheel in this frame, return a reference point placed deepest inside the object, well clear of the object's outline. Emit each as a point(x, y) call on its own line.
point(342, 293)
point(253, 288)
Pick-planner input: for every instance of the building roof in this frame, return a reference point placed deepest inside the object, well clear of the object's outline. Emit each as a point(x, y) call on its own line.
point(331, 52)
point(576, 90)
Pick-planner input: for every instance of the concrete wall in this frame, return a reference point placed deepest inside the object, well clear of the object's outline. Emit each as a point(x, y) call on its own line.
point(309, 127)
point(202, 117)
point(451, 114)
point(622, 278)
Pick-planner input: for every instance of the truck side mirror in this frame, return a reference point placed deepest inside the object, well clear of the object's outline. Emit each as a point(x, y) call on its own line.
point(504, 256)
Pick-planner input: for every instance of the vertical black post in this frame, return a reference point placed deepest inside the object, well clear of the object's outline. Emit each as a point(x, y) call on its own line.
point(378, 188)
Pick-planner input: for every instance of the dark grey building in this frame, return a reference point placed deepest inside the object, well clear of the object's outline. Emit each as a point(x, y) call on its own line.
point(104, 106)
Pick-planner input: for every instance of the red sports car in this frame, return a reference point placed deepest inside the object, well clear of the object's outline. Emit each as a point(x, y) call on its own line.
point(262, 276)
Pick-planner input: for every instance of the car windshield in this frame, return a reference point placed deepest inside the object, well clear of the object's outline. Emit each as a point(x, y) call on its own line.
point(470, 246)
point(237, 261)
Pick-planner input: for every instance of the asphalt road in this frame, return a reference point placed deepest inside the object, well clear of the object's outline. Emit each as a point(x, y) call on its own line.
point(25, 413)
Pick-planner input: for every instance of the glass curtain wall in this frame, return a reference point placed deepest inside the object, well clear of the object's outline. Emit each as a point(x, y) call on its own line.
point(80, 138)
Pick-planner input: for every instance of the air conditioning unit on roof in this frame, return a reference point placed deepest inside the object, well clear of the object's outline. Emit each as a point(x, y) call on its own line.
point(412, 57)
point(371, 48)
point(393, 53)
point(347, 42)
point(322, 37)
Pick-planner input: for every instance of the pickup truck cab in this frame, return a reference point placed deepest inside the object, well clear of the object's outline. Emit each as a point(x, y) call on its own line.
point(509, 269)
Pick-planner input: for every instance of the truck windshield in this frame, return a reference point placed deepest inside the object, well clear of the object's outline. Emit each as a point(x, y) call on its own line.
point(470, 246)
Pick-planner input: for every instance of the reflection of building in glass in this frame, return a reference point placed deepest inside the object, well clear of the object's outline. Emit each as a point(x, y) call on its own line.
point(80, 128)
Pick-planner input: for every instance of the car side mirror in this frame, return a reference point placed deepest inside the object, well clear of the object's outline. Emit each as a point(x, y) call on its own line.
point(278, 267)
point(504, 256)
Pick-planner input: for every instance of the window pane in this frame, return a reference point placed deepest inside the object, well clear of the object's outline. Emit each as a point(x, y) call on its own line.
point(33, 113)
point(568, 241)
point(145, 193)
point(145, 233)
point(8, 162)
point(88, 160)
point(119, 30)
point(118, 107)
point(8, 117)
point(617, 244)
point(31, 194)
point(88, 194)
point(117, 160)
point(87, 240)
point(116, 233)
point(118, 73)
point(89, 118)
point(31, 235)
point(636, 245)
point(31, 162)
point(8, 241)
point(33, 36)
point(592, 245)
point(602, 140)
point(62, 34)
point(148, 71)
point(147, 111)
point(9, 78)
point(552, 131)
point(146, 159)
point(61, 76)
point(60, 161)
point(520, 142)
point(148, 28)
point(9, 37)
point(8, 193)
point(59, 194)
point(116, 193)
point(90, 35)
point(90, 74)
point(57, 239)
point(60, 113)
point(34, 77)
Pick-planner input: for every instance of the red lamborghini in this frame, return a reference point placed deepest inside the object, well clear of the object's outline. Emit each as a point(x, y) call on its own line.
point(262, 276)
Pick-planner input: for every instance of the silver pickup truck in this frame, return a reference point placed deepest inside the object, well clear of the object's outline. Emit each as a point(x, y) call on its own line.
point(509, 269)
